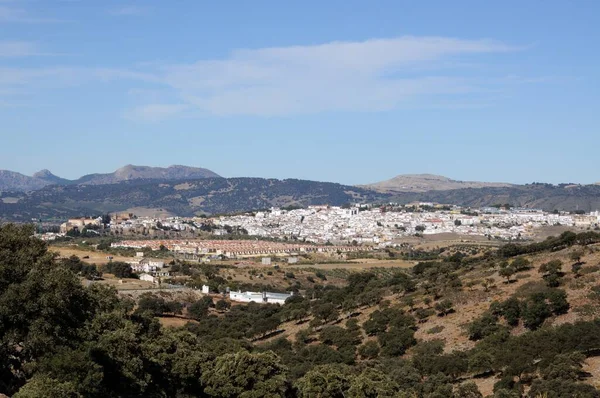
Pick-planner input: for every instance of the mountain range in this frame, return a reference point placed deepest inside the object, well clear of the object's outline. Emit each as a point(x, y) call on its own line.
point(13, 181)
point(187, 191)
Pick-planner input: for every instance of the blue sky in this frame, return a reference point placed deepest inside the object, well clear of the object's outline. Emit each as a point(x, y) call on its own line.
point(345, 91)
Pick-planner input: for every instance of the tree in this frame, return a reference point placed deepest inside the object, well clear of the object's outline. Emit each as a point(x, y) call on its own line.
point(535, 312)
point(325, 381)
point(483, 326)
point(340, 337)
point(42, 306)
point(552, 272)
point(155, 305)
point(520, 264)
point(43, 386)
point(246, 375)
point(564, 366)
point(481, 363)
point(487, 284)
point(507, 272)
point(396, 341)
point(444, 307)
point(325, 312)
point(576, 255)
point(558, 301)
point(372, 383)
point(199, 309)
point(369, 350)
point(222, 305)
point(576, 268)
point(468, 390)
point(119, 269)
point(551, 267)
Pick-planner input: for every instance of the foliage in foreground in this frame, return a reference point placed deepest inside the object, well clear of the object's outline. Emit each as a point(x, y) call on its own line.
point(61, 339)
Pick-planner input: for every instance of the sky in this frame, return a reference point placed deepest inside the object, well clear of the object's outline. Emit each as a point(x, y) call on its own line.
point(346, 91)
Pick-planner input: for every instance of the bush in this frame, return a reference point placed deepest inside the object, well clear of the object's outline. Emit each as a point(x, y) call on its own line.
point(369, 350)
point(199, 309)
point(435, 330)
point(222, 305)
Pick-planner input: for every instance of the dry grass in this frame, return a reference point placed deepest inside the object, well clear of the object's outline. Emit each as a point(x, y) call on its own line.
point(93, 256)
point(173, 322)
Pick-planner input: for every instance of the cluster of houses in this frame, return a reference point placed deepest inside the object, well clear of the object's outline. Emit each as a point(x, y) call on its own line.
point(80, 224)
point(150, 270)
point(232, 248)
point(321, 224)
point(343, 227)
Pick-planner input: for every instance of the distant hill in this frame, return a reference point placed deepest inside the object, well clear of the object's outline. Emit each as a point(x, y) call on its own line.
point(187, 191)
point(182, 197)
point(131, 172)
point(548, 197)
point(427, 182)
point(46, 176)
point(12, 181)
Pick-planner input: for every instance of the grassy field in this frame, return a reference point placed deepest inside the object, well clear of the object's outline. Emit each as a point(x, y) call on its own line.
point(359, 264)
point(93, 257)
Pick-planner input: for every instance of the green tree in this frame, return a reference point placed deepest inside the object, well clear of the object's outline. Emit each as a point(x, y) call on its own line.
point(507, 272)
point(444, 307)
point(246, 375)
point(369, 350)
point(551, 267)
point(43, 386)
point(396, 341)
point(564, 366)
point(467, 390)
point(222, 305)
point(520, 264)
point(325, 381)
point(372, 383)
point(576, 255)
point(481, 363)
point(199, 309)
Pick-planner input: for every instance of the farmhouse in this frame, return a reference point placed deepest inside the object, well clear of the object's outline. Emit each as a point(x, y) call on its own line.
point(264, 297)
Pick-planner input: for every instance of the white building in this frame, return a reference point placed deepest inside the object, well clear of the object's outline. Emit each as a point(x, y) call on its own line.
point(264, 297)
point(149, 278)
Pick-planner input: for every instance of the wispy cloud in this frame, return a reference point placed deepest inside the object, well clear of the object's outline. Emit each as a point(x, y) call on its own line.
point(12, 49)
point(367, 76)
point(155, 112)
point(17, 15)
point(372, 75)
point(64, 76)
point(130, 11)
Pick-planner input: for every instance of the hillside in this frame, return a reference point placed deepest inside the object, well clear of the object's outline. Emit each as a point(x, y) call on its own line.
point(188, 197)
point(12, 181)
point(427, 182)
point(51, 179)
point(517, 321)
point(539, 196)
point(131, 172)
point(183, 197)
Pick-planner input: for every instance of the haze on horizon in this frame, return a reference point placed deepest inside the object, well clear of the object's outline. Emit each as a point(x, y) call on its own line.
point(347, 92)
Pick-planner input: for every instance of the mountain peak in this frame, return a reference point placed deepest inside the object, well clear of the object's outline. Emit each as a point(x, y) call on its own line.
point(136, 172)
point(43, 174)
point(428, 182)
